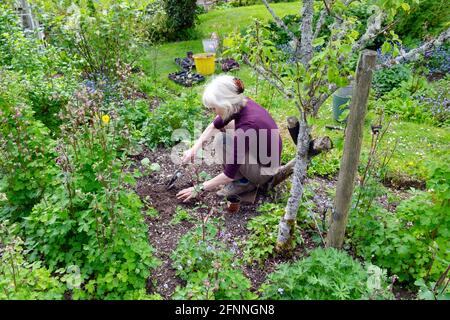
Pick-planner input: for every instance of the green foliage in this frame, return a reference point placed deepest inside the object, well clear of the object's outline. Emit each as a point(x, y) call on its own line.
point(386, 79)
point(181, 215)
point(47, 73)
point(417, 101)
point(20, 280)
point(152, 213)
point(182, 15)
point(263, 233)
point(92, 221)
point(439, 290)
point(210, 269)
point(90, 30)
point(179, 113)
point(26, 155)
point(425, 18)
point(325, 164)
point(327, 274)
point(412, 242)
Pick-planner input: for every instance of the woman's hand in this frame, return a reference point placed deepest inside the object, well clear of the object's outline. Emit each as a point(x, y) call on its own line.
point(189, 155)
point(186, 194)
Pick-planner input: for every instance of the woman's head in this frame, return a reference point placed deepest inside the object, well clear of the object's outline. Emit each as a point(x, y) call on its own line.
point(225, 95)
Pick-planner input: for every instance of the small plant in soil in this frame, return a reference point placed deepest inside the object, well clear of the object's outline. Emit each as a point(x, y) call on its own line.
point(148, 167)
point(209, 267)
point(152, 213)
point(181, 215)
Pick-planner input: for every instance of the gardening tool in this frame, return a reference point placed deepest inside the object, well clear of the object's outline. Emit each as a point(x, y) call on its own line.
point(171, 183)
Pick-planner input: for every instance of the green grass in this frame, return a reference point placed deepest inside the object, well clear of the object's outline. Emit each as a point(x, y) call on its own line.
point(237, 19)
point(220, 21)
point(419, 144)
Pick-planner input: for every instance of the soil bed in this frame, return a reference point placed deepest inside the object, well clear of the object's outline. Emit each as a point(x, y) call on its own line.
point(164, 235)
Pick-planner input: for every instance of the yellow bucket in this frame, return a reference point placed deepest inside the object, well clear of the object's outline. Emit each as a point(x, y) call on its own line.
point(205, 63)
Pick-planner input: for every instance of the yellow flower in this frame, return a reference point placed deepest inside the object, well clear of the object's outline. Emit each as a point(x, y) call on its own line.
point(411, 163)
point(105, 119)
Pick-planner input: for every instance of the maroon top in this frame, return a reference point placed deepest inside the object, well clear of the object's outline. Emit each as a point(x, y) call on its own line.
point(255, 117)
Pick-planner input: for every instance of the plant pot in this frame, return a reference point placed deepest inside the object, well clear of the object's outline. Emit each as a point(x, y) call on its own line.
point(341, 101)
point(233, 203)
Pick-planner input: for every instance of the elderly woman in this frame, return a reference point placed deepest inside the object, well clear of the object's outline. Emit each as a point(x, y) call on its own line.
point(247, 140)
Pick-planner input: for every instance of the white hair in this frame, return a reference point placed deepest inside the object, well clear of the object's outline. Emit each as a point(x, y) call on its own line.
point(222, 92)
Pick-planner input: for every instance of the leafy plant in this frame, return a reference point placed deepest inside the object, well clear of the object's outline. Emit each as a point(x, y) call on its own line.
point(179, 113)
point(263, 233)
point(326, 274)
point(182, 17)
point(210, 269)
point(181, 215)
point(386, 79)
point(26, 153)
point(412, 242)
point(19, 279)
point(92, 221)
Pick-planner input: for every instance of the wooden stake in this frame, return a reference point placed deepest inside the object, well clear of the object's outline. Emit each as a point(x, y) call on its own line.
point(352, 149)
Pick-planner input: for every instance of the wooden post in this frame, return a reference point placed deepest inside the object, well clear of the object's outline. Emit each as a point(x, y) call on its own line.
point(352, 149)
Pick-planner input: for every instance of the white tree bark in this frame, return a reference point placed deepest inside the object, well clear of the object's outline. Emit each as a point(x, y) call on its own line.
point(306, 48)
point(414, 54)
point(288, 222)
point(373, 26)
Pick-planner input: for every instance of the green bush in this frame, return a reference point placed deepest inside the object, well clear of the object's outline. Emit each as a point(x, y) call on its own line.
point(386, 79)
point(47, 73)
point(412, 242)
point(418, 101)
point(426, 17)
point(178, 113)
point(92, 221)
point(210, 269)
point(27, 154)
point(182, 16)
point(327, 274)
point(20, 280)
point(101, 33)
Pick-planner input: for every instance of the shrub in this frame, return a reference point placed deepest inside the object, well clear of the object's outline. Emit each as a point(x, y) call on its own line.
point(26, 153)
point(426, 17)
point(210, 269)
point(413, 242)
point(92, 221)
point(47, 72)
point(19, 279)
point(90, 31)
point(327, 274)
point(179, 113)
point(386, 79)
point(182, 17)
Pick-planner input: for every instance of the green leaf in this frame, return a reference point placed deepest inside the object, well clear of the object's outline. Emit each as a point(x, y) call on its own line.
point(386, 47)
point(406, 7)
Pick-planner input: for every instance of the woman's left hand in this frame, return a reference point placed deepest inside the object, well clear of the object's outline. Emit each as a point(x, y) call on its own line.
point(186, 194)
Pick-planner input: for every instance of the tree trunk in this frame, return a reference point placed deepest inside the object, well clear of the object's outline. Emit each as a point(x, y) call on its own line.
point(352, 149)
point(288, 222)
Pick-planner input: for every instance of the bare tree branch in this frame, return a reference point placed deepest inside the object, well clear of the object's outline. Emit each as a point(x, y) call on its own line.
point(269, 78)
point(319, 23)
point(281, 24)
point(414, 54)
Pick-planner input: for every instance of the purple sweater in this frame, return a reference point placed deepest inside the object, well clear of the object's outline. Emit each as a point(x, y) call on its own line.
point(255, 117)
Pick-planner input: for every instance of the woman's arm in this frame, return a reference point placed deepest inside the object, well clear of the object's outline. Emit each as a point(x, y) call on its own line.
point(188, 193)
point(210, 130)
point(218, 180)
